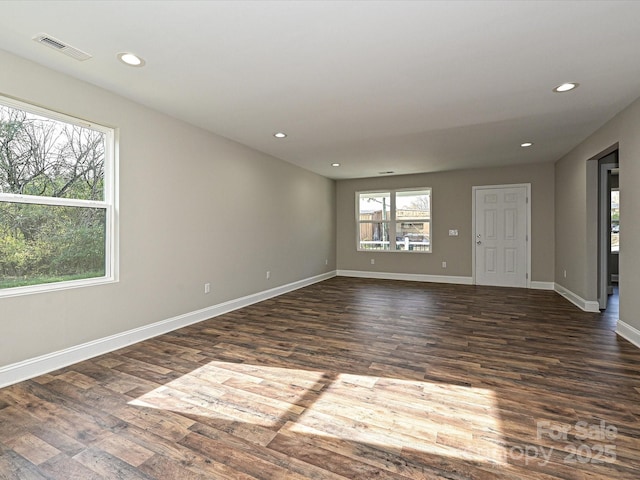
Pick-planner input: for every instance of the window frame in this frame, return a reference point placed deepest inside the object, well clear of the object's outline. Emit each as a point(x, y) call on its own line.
point(108, 203)
point(393, 221)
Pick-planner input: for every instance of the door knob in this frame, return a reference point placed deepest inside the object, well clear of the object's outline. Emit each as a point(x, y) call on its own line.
point(479, 242)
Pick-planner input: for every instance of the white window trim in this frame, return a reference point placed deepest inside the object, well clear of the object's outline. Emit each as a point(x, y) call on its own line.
point(392, 221)
point(109, 203)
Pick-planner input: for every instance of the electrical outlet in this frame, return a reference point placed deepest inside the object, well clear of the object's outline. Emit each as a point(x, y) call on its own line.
point(373, 261)
point(207, 287)
point(444, 264)
point(268, 274)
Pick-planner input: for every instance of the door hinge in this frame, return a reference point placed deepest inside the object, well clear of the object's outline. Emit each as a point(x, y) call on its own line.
point(527, 199)
point(526, 275)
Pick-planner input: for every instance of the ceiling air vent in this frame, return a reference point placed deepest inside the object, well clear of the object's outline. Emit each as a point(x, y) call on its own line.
point(62, 47)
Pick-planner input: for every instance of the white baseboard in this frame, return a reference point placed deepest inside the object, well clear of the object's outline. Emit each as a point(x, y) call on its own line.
point(410, 277)
point(414, 277)
point(542, 285)
point(578, 301)
point(626, 331)
point(33, 367)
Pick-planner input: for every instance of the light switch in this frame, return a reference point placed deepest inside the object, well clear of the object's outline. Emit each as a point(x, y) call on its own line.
point(453, 233)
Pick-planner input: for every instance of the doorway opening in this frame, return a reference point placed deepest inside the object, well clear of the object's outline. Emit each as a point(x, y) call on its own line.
point(608, 229)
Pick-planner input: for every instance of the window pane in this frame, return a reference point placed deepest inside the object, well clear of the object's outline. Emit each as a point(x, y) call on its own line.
point(375, 206)
point(413, 236)
point(45, 157)
point(413, 205)
point(374, 236)
point(47, 244)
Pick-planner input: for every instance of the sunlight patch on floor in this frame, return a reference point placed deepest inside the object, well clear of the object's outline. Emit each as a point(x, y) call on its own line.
point(260, 395)
point(395, 414)
point(421, 416)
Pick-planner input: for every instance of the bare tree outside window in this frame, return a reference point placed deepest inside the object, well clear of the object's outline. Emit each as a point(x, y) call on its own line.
point(53, 218)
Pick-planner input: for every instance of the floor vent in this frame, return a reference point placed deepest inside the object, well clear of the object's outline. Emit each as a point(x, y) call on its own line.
point(62, 47)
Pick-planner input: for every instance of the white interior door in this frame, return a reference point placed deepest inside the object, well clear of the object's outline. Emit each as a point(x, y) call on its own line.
point(501, 236)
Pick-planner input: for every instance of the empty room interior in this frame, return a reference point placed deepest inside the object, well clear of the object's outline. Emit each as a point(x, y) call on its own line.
point(319, 240)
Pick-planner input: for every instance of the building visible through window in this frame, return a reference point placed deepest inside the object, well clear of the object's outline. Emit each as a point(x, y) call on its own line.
point(394, 220)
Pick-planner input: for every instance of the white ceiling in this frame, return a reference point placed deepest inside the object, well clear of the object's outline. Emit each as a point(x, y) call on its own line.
point(403, 86)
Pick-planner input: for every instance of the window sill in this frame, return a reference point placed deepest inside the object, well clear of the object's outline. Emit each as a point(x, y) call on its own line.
point(54, 287)
point(394, 251)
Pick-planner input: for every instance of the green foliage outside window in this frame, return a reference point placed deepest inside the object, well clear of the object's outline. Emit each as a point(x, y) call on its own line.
point(50, 159)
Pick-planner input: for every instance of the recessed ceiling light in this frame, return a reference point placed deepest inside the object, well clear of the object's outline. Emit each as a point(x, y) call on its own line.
point(280, 135)
point(388, 172)
point(526, 144)
point(566, 87)
point(335, 164)
point(131, 59)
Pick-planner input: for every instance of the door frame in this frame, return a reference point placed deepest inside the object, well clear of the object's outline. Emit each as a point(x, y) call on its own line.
point(473, 226)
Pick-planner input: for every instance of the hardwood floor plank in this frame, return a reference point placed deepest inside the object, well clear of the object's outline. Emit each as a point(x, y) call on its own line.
point(15, 466)
point(162, 467)
point(14, 422)
point(63, 467)
point(32, 448)
point(57, 439)
point(163, 423)
point(108, 466)
point(126, 450)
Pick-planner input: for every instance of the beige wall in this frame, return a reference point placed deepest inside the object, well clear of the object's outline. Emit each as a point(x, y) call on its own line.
point(194, 208)
point(576, 249)
point(451, 209)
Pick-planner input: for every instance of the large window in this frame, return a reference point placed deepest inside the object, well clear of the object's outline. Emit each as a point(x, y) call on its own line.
point(394, 220)
point(56, 200)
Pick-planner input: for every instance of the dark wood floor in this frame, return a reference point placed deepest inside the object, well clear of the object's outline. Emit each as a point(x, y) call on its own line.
point(349, 378)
